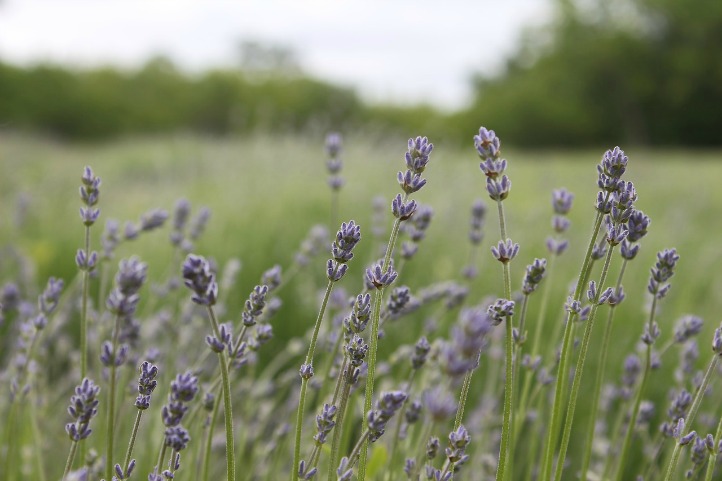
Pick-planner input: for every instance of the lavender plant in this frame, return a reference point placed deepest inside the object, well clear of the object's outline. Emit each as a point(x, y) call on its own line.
point(401, 369)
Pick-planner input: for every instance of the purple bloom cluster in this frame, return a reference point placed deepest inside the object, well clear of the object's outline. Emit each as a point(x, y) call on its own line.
point(89, 194)
point(333, 147)
point(562, 201)
point(662, 271)
point(199, 278)
point(386, 407)
point(146, 384)
point(342, 250)
point(488, 146)
point(83, 407)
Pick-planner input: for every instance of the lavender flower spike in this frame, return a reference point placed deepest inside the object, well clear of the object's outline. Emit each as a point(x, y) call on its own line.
point(199, 279)
point(83, 407)
point(500, 310)
point(418, 154)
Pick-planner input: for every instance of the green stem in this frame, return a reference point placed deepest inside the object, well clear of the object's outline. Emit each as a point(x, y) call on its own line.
point(400, 421)
point(335, 444)
point(691, 416)
point(462, 399)
point(71, 457)
point(370, 377)
point(111, 403)
point(209, 442)
point(521, 416)
point(579, 370)
point(565, 354)
point(131, 444)
point(84, 312)
point(227, 405)
point(600, 379)
point(304, 383)
point(713, 455)
point(637, 399)
point(542, 315)
point(506, 428)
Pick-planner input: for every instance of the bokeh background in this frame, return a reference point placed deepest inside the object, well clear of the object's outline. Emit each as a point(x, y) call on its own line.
point(545, 73)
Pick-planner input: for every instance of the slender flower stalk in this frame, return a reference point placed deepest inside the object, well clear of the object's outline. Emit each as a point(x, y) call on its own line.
point(622, 200)
point(562, 201)
point(658, 288)
point(83, 408)
point(714, 452)
point(122, 302)
point(334, 164)
point(637, 225)
point(199, 278)
point(146, 385)
point(498, 186)
point(382, 275)
point(610, 169)
point(86, 261)
point(347, 238)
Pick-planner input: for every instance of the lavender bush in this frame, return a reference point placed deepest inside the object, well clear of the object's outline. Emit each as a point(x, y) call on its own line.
point(505, 371)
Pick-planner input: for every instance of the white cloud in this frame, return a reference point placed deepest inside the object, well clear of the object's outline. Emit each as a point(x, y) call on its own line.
point(399, 50)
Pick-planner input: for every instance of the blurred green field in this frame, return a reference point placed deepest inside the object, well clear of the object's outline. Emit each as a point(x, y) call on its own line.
point(265, 193)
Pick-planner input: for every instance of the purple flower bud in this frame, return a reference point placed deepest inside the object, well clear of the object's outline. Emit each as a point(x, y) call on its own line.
point(628, 250)
point(333, 144)
point(336, 182)
point(686, 327)
point(487, 144)
point(418, 154)
point(500, 310)
point(83, 407)
point(637, 224)
point(344, 471)
point(89, 216)
point(616, 234)
point(177, 438)
point(379, 278)
point(534, 275)
point(556, 247)
point(498, 190)
point(198, 278)
point(153, 219)
point(86, 263)
point(616, 297)
point(493, 168)
point(402, 210)
point(717, 341)
point(505, 251)
point(650, 333)
point(613, 163)
point(410, 182)
point(306, 371)
point(335, 271)
point(685, 440)
point(562, 201)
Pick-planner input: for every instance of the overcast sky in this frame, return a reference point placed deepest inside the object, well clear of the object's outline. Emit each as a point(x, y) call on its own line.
point(394, 50)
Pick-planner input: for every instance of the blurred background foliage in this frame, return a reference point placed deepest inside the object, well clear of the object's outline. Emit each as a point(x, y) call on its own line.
point(643, 72)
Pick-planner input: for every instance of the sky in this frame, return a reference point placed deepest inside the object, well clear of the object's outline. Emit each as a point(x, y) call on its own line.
point(399, 51)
